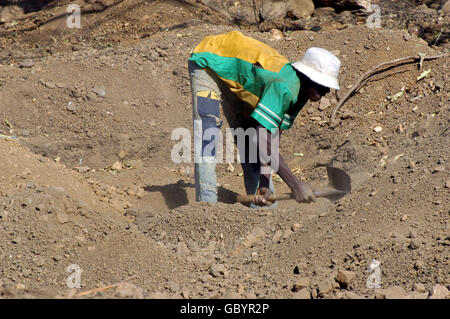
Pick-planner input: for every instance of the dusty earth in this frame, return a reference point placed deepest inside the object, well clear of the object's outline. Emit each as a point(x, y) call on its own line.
point(86, 117)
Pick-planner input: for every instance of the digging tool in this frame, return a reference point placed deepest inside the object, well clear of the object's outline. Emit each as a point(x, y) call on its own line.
point(339, 184)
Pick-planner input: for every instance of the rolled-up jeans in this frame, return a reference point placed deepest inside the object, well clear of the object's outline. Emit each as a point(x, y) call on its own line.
point(208, 95)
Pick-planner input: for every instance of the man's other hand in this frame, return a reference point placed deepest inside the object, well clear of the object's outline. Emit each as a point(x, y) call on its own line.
point(303, 193)
point(262, 197)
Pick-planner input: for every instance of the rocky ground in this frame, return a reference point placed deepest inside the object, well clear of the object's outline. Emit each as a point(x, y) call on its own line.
point(86, 117)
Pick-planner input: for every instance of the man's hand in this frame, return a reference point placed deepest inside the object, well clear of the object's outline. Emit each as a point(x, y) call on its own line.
point(303, 193)
point(262, 196)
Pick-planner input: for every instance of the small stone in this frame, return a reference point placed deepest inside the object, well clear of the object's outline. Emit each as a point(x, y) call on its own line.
point(351, 295)
point(300, 283)
point(127, 290)
point(416, 295)
point(439, 292)
point(134, 163)
point(185, 294)
point(71, 107)
point(254, 237)
point(336, 52)
point(419, 287)
point(419, 264)
point(250, 294)
point(182, 248)
point(324, 103)
point(345, 278)
point(296, 227)
point(26, 63)
point(439, 168)
point(173, 287)
point(303, 293)
point(287, 233)
point(348, 115)
point(217, 270)
point(20, 286)
point(445, 10)
point(412, 234)
point(99, 90)
point(400, 129)
point(158, 295)
point(3, 215)
point(394, 292)
point(82, 169)
point(314, 293)
point(316, 118)
point(62, 217)
point(49, 84)
point(404, 218)
point(70, 293)
point(325, 287)
point(9, 290)
point(276, 35)
point(231, 295)
point(407, 36)
point(277, 236)
point(378, 129)
point(117, 166)
point(413, 245)
point(25, 133)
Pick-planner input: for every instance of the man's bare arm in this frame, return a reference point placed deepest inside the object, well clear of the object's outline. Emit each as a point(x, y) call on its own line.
point(301, 190)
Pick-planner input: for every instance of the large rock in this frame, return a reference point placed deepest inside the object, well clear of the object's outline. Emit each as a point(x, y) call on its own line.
point(127, 290)
point(272, 10)
point(394, 292)
point(344, 4)
point(10, 13)
point(424, 10)
point(302, 294)
point(326, 286)
point(301, 8)
point(416, 295)
point(303, 282)
point(439, 292)
point(446, 8)
point(345, 278)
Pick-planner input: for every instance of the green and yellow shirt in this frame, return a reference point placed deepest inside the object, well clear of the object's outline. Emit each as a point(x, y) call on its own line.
point(256, 73)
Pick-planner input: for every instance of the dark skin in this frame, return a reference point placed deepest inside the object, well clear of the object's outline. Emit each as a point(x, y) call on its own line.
point(303, 192)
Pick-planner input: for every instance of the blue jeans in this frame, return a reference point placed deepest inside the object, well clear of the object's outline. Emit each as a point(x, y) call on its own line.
point(209, 94)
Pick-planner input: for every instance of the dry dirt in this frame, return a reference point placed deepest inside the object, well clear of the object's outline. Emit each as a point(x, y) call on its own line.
point(86, 178)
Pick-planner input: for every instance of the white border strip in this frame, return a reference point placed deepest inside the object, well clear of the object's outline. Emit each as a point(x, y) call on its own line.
point(270, 111)
point(268, 119)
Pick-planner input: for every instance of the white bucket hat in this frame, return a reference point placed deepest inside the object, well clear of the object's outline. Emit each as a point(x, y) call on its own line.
point(321, 66)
